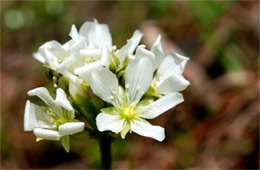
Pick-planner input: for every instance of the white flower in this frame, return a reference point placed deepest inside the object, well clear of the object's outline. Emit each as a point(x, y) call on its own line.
point(61, 58)
point(98, 50)
point(92, 44)
point(129, 113)
point(51, 122)
point(169, 78)
point(168, 70)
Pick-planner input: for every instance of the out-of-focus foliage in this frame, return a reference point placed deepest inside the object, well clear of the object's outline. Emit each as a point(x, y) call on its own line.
point(216, 127)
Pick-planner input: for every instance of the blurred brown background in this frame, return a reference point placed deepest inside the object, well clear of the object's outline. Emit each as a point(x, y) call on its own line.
point(217, 127)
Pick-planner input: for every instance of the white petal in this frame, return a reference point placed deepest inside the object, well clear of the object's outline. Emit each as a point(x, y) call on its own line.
point(74, 32)
point(138, 78)
point(39, 57)
point(34, 117)
point(62, 100)
point(91, 52)
point(51, 45)
point(180, 59)
point(158, 50)
point(50, 58)
point(134, 41)
point(105, 85)
point(70, 44)
point(161, 105)
point(172, 64)
point(29, 116)
point(84, 72)
point(49, 51)
point(97, 34)
point(109, 122)
point(144, 128)
point(104, 60)
point(130, 46)
point(172, 84)
point(71, 128)
point(43, 94)
point(75, 46)
point(46, 134)
point(142, 52)
point(67, 67)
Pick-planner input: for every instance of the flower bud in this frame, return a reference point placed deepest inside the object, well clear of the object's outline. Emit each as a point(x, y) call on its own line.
point(78, 91)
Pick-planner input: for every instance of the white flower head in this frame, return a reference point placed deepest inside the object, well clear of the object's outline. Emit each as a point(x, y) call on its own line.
point(51, 122)
point(90, 59)
point(128, 112)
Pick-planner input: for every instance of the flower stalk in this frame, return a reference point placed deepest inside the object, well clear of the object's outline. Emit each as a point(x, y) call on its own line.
point(105, 150)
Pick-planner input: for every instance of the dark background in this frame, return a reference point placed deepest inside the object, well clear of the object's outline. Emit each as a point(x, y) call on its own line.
point(217, 127)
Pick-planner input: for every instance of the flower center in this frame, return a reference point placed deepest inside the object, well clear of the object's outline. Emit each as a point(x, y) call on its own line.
point(128, 112)
point(59, 115)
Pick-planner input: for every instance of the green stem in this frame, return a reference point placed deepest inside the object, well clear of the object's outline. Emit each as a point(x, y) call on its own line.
point(105, 150)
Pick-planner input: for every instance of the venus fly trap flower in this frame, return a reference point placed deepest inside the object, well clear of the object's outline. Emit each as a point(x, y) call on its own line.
point(169, 78)
point(116, 90)
point(129, 113)
point(88, 47)
point(53, 122)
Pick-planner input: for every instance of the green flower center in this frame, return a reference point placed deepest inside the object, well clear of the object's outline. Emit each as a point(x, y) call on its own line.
point(128, 112)
point(59, 115)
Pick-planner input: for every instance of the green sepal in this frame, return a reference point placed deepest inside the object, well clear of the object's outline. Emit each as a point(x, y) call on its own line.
point(109, 110)
point(65, 142)
point(125, 129)
point(144, 102)
point(151, 92)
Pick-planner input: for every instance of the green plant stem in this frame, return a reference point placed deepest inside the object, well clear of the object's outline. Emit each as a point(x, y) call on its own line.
point(105, 150)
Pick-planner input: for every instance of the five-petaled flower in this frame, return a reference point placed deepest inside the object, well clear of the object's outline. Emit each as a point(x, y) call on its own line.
point(53, 121)
point(128, 112)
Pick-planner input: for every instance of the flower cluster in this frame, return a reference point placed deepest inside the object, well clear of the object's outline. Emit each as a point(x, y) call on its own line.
point(132, 84)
